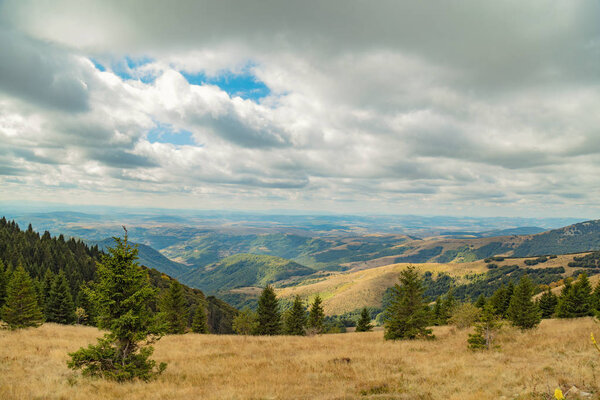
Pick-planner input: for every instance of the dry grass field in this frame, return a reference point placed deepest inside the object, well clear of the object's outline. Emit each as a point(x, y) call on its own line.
point(343, 366)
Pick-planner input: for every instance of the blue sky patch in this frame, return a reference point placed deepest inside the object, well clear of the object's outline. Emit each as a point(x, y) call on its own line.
point(98, 66)
point(244, 85)
point(126, 69)
point(164, 133)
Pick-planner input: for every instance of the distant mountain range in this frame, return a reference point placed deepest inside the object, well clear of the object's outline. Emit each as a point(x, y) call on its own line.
point(148, 257)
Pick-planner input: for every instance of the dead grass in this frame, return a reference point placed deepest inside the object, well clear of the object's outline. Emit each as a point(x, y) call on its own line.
point(344, 366)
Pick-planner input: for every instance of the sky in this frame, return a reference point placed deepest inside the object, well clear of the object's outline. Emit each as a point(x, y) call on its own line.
point(447, 108)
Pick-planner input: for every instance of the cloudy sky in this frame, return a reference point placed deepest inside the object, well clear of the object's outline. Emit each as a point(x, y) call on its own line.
point(459, 108)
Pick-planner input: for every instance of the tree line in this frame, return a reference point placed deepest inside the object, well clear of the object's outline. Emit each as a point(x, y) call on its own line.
point(58, 273)
point(410, 316)
point(268, 319)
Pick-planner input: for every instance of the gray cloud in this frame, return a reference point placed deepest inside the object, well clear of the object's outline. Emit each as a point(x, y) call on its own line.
point(39, 73)
point(416, 106)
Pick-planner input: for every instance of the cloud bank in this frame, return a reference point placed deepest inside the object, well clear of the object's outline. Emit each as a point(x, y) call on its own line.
point(413, 107)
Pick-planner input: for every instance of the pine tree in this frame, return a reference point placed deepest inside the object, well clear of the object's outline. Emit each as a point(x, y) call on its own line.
point(199, 322)
point(47, 283)
point(3, 282)
point(564, 307)
point(547, 304)
point(295, 319)
point(582, 292)
point(122, 296)
point(174, 309)
point(576, 299)
point(316, 316)
point(21, 308)
point(448, 306)
point(480, 303)
point(406, 316)
point(437, 316)
point(60, 307)
point(500, 300)
point(484, 329)
point(364, 322)
point(269, 316)
point(246, 322)
point(595, 298)
point(522, 311)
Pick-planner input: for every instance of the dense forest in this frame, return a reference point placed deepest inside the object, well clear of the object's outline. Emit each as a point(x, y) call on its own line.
point(48, 260)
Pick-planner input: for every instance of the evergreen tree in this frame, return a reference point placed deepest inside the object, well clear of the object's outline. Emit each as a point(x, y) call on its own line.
point(595, 298)
point(122, 297)
point(484, 329)
point(85, 303)
point(21, 308)
point(316, 316)
point(199, 322)
point(269, 316)
point(364, 323)
point(406, 316)
point(547, 304)
point(295, 319)
point(500, 300)
point(246, 322)
point(582, 292)
point(448, 307)
point(480, 303)
point(3, 282)
point(522, 311)
point(60, 307)
point(47, 283)
point(437, 316)
point(174, 309)
point(576, 299)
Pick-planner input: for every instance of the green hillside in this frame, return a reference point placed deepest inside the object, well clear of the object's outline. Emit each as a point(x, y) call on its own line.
point(41, 253)
point(150, 258)
point(577, 238)
point(243, 270)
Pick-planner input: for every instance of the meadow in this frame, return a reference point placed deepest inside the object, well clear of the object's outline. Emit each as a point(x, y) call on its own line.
point(527, 365)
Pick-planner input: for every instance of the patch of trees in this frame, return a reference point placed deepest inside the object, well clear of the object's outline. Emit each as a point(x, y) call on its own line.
point(493, 279)
point(61, 272)
point(591, 260)
point(536, 261)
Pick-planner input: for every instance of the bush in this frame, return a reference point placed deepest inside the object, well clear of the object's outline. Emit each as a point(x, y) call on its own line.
point(464, 316)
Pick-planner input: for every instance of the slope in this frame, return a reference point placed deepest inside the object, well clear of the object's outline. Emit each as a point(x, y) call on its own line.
point(150, 258)
point(581, 237)
point(243, 270)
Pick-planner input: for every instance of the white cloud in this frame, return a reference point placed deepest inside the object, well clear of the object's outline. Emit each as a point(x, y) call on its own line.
point(399, 107)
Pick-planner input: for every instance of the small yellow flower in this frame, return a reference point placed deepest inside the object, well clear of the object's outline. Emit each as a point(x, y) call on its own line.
point(558, 395)
point(594, 341)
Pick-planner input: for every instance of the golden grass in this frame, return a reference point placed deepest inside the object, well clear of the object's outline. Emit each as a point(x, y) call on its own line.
point(344, 366)
point(347, 291)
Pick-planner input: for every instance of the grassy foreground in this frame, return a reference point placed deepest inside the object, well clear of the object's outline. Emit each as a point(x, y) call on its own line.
point(343, 366)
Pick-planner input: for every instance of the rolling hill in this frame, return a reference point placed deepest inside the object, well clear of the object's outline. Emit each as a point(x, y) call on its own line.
point(581, 237)
point(243, 270)
point(150, 258)
point(344, 292)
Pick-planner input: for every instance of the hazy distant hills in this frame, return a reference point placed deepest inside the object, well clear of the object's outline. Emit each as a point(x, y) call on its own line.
point(242, 270)
point(149, 258)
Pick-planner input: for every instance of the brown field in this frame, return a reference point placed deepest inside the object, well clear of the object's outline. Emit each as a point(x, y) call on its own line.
point(343, 366)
